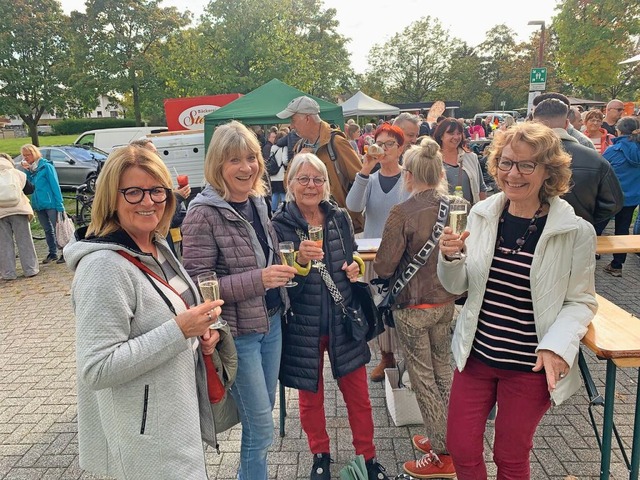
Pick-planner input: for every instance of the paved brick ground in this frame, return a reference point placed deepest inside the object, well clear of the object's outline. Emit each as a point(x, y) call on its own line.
point(38, 433)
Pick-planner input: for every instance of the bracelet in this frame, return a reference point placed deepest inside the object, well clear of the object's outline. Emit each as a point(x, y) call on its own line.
point(363, 175)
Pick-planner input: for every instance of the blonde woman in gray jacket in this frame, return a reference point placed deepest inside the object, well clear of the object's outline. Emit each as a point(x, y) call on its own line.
point(529, 272)
point(143, 408)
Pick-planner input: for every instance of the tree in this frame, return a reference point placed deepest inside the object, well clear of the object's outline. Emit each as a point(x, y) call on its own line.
point(34, 55)
point(593, 37)
point(413, 64)
point(118, 36)
point(249, 42)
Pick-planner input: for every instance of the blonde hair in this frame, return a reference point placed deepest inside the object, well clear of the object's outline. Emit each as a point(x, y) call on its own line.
point(104, 215)
point(296, 164)
point(32, 149)
point(230, 140)
point(424, 161)
point(547, 151)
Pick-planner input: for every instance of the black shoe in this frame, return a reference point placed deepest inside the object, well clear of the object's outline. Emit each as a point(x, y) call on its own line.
point(321, 469)
point(375, 471)
point(50, 258)
point(60, 260)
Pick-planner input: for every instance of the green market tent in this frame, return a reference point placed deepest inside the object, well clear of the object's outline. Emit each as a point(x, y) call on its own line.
point(260, 106)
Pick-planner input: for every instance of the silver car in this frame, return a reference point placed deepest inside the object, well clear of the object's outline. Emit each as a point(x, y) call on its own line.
point(75, 164)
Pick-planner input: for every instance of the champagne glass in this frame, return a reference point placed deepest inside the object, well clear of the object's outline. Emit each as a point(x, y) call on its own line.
point(458, 221)
point(210, 290)
point(287, 255)
point(315, 235)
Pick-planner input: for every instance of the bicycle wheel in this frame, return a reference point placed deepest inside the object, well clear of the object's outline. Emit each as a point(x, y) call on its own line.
point(84, 217)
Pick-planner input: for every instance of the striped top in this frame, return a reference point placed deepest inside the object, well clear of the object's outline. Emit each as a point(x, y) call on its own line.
point(506, 335)
point(173, 278)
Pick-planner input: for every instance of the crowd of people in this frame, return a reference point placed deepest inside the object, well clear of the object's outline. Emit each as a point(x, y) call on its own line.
point(151, 348)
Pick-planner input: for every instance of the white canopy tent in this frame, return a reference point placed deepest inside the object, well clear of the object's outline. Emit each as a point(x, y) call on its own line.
point(361, 105)
point(632, 59)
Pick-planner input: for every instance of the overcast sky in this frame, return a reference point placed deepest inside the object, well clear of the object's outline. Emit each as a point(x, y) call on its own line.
point(375, 21)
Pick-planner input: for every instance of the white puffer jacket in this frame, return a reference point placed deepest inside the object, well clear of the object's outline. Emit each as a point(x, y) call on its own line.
point(562, 283)
point(24, 206)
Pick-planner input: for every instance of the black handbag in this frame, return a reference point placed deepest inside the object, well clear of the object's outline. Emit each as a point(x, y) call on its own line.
point(362, 294)
point(271, 165)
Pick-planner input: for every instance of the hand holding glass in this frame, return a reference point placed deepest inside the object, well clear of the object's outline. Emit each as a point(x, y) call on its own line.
point(287, 255)
point(315, 235)
point(458, 221)
point(210, 290)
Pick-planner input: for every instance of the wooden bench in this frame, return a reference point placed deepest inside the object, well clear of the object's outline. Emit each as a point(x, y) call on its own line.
point(614, 336)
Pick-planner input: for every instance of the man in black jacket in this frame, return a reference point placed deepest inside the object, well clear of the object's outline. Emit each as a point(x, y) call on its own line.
point(595, 195)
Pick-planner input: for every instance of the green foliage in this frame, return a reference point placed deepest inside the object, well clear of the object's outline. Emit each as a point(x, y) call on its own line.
point(593, 37)
point(413, 64)
point(33, 60)
point(78, 125)
point(117, 35)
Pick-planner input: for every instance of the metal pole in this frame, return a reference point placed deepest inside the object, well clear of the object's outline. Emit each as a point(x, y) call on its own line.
point(541, 50)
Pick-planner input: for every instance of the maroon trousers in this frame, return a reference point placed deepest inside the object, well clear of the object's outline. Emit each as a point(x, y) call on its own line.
point(522, 400)
point(355, 391)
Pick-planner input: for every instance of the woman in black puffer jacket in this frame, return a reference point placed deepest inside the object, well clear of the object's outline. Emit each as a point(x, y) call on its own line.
point(316, 323)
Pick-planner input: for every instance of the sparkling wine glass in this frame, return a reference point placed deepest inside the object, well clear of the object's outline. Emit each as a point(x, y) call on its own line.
point(315, 235)
point(287, 255)
point(210, 290)
point(457, 221)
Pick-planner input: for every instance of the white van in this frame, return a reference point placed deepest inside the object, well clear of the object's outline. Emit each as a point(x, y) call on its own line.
point(183, 153)
point(106, 139)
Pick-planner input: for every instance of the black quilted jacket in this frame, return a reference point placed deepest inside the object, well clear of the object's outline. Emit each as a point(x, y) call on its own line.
point(312, 305)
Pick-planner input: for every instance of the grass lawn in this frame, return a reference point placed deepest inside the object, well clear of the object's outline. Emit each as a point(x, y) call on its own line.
point(12, 145)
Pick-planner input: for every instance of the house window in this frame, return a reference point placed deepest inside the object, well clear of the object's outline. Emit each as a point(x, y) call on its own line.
point(113, 113)
point(99, 112)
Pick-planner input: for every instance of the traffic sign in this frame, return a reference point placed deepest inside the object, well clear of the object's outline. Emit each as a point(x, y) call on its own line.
point(538, 79)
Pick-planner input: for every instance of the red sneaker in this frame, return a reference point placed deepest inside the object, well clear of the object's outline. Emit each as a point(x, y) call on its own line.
point(431, 466)
point(422, 443)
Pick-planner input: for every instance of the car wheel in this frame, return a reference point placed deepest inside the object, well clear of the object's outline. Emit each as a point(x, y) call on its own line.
point(91, 183)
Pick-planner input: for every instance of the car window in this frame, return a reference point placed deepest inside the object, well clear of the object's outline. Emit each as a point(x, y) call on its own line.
point(88, 139)
point(56, 155)
point(85, 155)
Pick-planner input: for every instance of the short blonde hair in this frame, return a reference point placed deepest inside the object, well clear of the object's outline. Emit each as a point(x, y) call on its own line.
point(32, 149)
point(296, 164)
point(104, 215)
point(424, 161)
point(547, 151)
point(231, 140)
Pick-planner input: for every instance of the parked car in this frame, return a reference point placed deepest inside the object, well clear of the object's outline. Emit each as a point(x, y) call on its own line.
point(75, 164)
point(107, 139)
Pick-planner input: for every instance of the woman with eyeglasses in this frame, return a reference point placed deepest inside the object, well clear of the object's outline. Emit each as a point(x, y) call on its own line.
point(375, 193)
point(460, 165)
point(593, 129)
point(528, 267)
point(227, 231)
point(317, 323)
point(141, 336)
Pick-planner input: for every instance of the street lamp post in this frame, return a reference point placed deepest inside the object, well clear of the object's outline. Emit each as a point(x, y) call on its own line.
point(541, 49)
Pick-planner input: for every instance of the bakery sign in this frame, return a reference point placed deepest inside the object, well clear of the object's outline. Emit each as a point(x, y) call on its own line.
point(188, 113)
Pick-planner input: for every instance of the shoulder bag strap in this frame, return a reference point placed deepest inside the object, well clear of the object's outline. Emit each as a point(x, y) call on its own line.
point(150, 273)
point(326, 277)
point(420, 258)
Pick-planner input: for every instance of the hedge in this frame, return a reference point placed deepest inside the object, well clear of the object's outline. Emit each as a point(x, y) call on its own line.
point(78, 125)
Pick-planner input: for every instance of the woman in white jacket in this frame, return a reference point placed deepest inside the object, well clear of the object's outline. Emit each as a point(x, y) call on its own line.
point(529, 272)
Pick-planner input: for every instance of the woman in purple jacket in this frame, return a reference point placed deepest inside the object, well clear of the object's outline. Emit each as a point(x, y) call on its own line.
point(227, 230)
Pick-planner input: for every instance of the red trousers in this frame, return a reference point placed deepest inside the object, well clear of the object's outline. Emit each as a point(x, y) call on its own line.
point(522, 400)
point(355, 392)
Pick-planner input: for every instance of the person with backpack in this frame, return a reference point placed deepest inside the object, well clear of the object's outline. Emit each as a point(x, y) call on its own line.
point(15, 215)
point(330, 145)
point(277, 162)
point(47, 196)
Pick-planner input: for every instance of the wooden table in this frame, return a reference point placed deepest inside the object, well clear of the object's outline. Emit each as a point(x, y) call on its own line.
point(604, 244)
point(614, 336)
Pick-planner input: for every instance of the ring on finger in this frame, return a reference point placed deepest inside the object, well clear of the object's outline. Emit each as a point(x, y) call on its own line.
point(562, 374)
point(209, 315)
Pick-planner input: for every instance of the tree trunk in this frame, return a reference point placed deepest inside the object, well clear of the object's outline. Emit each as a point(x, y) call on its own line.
point(135, 90)
point(32, 127)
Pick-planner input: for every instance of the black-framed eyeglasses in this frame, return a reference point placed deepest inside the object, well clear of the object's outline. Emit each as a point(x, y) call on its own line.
point(304, 181)
point(135, 195)
point(525, 167)
point(388, 144)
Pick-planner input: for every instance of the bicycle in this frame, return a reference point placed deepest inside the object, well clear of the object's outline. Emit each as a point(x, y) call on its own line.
point(84, 202)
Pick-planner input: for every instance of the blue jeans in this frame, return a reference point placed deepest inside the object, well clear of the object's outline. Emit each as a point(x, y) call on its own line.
point(47, 219)
point(276, 199)
point(255, 393)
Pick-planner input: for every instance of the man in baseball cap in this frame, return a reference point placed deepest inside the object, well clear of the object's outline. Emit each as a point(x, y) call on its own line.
point(304, 105)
